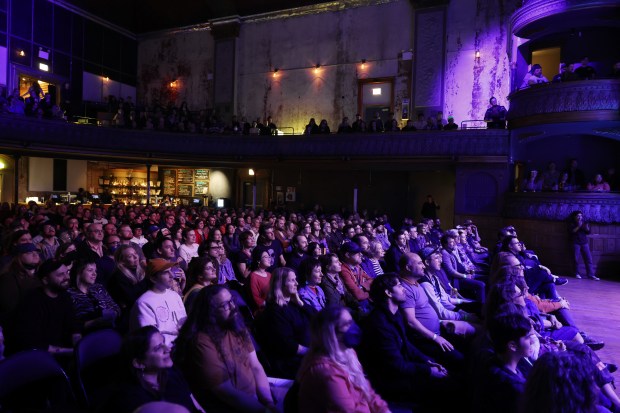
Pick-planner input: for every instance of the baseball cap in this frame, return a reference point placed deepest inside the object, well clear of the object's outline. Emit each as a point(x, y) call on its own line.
point(350, 247)
point(158, 265)
point(427, 252)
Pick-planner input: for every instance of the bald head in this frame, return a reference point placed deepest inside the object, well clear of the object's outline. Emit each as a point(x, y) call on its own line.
point(411, 265)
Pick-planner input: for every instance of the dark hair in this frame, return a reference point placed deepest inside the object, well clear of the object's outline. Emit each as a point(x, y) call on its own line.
point(507, 327)
point(136, 345)
point(379, 285)
point(490, 101)
point(506, 242)
point(445, 237)
point(159, 242)
point(326, 261)
point(244, 236)
point(78, 267)
point(257, 253)
point(306, 267)
point(535, 67)
point(313, 246)
point(196, 268)
point(561, 381)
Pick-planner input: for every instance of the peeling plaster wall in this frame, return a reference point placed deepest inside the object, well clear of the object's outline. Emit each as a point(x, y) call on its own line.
point(336, 40)
point(472, 25)
point(186, 57)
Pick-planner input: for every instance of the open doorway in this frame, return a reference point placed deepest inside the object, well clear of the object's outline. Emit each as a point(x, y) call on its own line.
point(376, 96)
point(26, 81)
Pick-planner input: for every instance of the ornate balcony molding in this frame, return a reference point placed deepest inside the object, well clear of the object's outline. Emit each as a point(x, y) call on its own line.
point(528, 20)
point(551, 206)
point(30, 136)
point(585, 100)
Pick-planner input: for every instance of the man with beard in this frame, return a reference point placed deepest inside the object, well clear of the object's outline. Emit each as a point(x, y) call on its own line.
point(215, 351)
point(267, 242)
point(18, 279)
point(44, 317)
point(299, 253)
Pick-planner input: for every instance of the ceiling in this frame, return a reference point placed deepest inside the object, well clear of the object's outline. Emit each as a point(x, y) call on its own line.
point(141, 16)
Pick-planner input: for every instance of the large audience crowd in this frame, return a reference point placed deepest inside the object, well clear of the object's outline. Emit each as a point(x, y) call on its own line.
point(362, 315)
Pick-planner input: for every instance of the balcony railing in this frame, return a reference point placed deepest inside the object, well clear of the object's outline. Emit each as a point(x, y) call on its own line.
point(585, 100)
point(603, 208)
point(30, 136)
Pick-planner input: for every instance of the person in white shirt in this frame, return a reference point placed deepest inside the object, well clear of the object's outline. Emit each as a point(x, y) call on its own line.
point(160, 306)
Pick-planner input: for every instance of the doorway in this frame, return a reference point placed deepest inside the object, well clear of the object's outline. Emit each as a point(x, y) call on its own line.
point(26, 81)
point(376, 96)
point(549, 59)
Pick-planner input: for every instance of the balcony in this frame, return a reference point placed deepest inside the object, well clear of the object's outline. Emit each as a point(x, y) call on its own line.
point(28, 136)
point(602, 208)
point(537, 18)
point(579, 101)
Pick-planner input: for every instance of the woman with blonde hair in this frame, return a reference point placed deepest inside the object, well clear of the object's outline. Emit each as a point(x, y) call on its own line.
point(128, 281)
point(332, 370)
point(284, 328)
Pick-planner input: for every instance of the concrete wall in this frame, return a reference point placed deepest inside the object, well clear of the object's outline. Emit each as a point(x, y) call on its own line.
point(185, 57)
point(484, 26)
point(338, 41)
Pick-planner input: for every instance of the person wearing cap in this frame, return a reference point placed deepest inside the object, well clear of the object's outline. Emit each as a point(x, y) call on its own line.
point(160, 306)
point(44, 318)
point(354, 278)
point(450, 125)
point(18, 278)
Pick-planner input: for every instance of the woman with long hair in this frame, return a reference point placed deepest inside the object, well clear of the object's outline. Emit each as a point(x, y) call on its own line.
point(332, 370)
point(128, 281)
point(284, 328)
point(259, 279)
point(201, 273)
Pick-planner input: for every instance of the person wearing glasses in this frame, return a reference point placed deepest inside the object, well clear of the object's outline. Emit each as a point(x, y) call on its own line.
point(216, 354)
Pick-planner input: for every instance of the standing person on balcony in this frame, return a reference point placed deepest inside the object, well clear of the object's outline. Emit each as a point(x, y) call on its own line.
point(534, 77)
point(495, 116)
point(585, 71)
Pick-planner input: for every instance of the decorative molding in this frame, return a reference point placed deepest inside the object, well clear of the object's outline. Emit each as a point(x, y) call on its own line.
point(535, 10)
point(551, 206)
point(570, 98)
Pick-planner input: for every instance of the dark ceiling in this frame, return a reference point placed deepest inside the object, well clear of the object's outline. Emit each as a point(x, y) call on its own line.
point(141, 16)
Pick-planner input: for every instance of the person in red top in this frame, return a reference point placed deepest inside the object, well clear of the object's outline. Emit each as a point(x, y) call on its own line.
point(354, 278)
point(332, 370)
point(259, 279)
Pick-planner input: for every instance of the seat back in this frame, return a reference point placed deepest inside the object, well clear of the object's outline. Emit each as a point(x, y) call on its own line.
point(97, 364)
point(34, 381)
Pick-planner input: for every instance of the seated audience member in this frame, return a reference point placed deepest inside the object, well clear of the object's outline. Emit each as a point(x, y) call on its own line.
point(242, 260)
point(160, 306)
point(354, 278)
point(462, 278)
point(421, 123)
point(345, 127)
point(311, 128)
point(18, 278)
point(409, 126)
point(216, 353)
point(331, 377)
point(576, 177)
point(259, 279)
point(359, 126)
point(599, 185)
point(550, 178)
point(563, 183)
point(324, 127)
point(138, 238)
point(562, 381)
point(267, 242)
point(201, 273)
point(495, 116)
point(534, 77)
point(44, 317)
point(395, 367)
point(531, 183)
point(502, 382)
point(332, 285)
point(375, 257)
point(93, 307)
point(127, 282)
point(225, 271)
point(445, 305)
point(283, 328)
point(311, 275)
point(149, 376)
point(400, 246)
point(391, 124)
point(424, 322)
point(189, 249)
point(362, 241)
point(231, 240)
point(47, 241)
point(451, 125)
point(585, 71)
point(299, 253)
